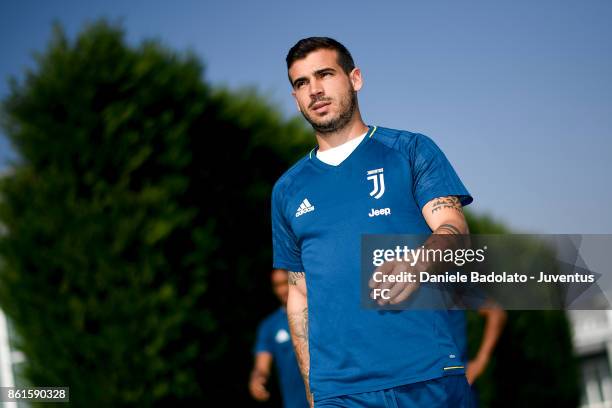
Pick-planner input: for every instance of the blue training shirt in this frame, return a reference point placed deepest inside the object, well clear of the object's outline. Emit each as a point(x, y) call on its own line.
point(273, 337)
point(458, 325)
point(319, 213)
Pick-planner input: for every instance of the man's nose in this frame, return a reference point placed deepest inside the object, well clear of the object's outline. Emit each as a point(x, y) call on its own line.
point(316, 88)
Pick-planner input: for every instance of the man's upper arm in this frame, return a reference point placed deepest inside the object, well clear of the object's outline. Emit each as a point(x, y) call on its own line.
point(286, 250)
point(445, 213)
point(433, 175)
point(437, 189)
point(264, 341)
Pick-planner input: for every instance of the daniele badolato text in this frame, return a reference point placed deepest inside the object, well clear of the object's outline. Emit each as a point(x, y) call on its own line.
point(458, 257)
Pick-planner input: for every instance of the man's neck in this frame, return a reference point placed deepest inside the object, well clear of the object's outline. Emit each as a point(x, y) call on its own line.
point(354, 129)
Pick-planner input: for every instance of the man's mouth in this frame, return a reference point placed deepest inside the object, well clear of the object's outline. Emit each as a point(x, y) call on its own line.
point(319, 105)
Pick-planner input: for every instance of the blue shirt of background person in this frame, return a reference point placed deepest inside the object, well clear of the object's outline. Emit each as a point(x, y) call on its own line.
point(273, 344)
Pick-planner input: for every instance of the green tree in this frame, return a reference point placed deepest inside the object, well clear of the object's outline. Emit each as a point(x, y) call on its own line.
point(137, 242)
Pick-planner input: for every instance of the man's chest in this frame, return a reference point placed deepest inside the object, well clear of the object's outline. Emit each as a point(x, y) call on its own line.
point(371, 196)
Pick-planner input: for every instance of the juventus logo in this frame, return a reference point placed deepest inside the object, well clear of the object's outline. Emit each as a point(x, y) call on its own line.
point(378, 178)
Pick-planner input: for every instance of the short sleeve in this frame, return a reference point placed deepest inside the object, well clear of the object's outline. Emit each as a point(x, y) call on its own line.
point(263, 341)
point(286, 251)
point(433, 175)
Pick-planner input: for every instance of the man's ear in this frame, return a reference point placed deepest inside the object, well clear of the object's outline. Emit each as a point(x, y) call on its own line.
point(356, 79)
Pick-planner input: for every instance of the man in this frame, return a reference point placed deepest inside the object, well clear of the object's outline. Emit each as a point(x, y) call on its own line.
point(361, 180)
point(273, 345)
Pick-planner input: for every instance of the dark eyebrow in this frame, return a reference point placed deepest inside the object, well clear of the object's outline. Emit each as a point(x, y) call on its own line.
point(323, 71)
point(318, 72)
point(296, 81)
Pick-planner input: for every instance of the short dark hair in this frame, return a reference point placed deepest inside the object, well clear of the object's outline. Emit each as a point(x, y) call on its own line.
point(307, 45)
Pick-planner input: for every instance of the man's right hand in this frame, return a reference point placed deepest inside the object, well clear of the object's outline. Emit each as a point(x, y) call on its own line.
point(397, 291)
point(257, 387)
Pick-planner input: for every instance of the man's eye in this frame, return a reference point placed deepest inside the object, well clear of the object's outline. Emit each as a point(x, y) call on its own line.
point(299, 84)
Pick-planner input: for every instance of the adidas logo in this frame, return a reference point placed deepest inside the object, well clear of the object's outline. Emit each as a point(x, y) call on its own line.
point(304, 208)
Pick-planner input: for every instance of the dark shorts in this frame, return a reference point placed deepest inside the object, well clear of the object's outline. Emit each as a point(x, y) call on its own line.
point(452, 391)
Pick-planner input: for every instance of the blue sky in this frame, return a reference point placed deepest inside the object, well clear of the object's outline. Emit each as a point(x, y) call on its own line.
point(517, 94)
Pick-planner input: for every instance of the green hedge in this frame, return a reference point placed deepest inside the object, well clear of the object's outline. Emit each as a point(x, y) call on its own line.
point(137, 244)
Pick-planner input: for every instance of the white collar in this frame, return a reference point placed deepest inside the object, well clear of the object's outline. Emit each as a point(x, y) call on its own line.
point(336, 155)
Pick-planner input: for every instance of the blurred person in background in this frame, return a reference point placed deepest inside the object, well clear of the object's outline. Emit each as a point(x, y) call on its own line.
point(273, 345)
point(495, 319)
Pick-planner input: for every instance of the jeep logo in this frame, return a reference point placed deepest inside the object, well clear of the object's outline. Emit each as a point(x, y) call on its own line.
point(382, 211)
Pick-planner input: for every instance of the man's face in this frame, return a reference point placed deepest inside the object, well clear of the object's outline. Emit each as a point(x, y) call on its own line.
point(280, 285)
point(325, 94)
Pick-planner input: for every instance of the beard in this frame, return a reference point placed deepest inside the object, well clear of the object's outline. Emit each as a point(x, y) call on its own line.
point(348, 104)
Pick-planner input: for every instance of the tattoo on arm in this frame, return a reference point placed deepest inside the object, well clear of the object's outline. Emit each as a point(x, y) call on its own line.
point(294, 277)
point(298, 325)
point(451, 202)
point(447, 228)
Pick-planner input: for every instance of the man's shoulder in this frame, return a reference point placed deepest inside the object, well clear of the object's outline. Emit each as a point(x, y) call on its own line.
point(285, 181)
point(403, 141)
point(271, 320)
